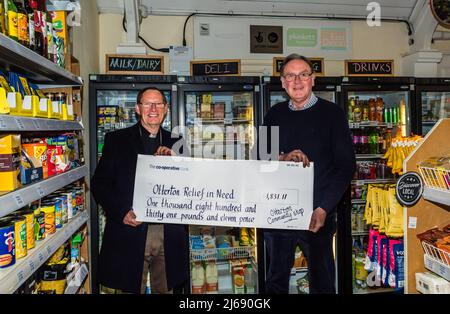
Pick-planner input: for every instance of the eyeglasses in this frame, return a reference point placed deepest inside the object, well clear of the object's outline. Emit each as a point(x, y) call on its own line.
point(158, 105)
point(304, 76)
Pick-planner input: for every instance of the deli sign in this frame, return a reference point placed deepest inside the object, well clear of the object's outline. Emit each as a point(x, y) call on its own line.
point(369, 67)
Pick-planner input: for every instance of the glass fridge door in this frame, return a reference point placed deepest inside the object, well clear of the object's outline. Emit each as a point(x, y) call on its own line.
point(435, 106)
point(116, 110)
point(220, 126)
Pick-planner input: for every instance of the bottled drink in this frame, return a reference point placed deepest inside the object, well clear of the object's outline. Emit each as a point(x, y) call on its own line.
point(402, 116)
point(395, 115)
point(373, 143)
point(357, 113)
point(250, 279)
point(212, 278)
point(350, 107)
point(30, 16)
point(365, 110)
point(356, 142)
point(364, 148)
point(198, 279)
point(22, 24)
point(11, 9)
point(382, 143)
point(40, 39)
point(372, 110)
point(49, 36)
point(379, 109)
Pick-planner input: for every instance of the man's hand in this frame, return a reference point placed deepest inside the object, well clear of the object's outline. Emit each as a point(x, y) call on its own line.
point(296, 156)
point(164, 151)
point(317, 219)
point(130, 219)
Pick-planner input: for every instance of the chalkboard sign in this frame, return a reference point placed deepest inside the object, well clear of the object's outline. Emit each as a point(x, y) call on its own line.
point(216, 67)
point(409, 188)
point(317, 65)
point(369, 67)
point(134, 64)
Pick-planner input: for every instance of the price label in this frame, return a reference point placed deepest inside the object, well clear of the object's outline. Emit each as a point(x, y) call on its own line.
point(356, 125)
point(19, 123)
point(19, 200)
point(359, 182)
point(41, 257)
point(2, 123)
point(389, 125)
point(49, 124)
point(228, 120)
point(20, 276)
point(72, 176)
point(49, 250)
point(36, 124)
point(31, 264)
point(40, 191)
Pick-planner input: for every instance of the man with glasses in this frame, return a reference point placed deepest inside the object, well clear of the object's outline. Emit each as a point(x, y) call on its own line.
point(130, 249)
point(311, 129)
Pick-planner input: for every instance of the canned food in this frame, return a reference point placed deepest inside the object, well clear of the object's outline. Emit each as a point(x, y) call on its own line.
point(39, 225)
point(68, 196)
point(49, 211)
point(20, 235)
point(80, 198)
point(64, 212)
point(58, 212)
point(7, 244)
point(29, 216)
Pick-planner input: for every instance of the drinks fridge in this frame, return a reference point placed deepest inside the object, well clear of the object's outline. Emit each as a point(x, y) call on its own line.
point(433, 102)
point(379, 111)
point(218, 116)
point(329, 89)
point(112, 100)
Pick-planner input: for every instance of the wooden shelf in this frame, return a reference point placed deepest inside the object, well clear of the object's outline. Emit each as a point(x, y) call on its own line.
point(427, 213)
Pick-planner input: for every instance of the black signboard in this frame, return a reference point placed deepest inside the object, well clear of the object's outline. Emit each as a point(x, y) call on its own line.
point(409, 188)
point(216, 67)
point(369, 67)
point(317, 65)
point(134, 64)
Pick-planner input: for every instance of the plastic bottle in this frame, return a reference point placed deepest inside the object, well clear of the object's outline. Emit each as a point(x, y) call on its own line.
point(249, 279)
point(11, 9)
point(198, 279)
point(212, 278)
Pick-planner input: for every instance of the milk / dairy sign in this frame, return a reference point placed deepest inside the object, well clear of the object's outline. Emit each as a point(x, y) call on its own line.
point(134, 64)
point(182, 190)
point(369, 67)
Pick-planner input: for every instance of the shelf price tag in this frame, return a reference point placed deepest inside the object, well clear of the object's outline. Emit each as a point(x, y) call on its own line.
point(36, 124)
point(40, 191)
point(389, 125)
point(2, 124)
point(32, 267)
point(41, 257)
point(359, 182)
point(19, 200)
point(356, 125)
point(228, 121)
point(20, 277)
point(49, 250)
point(19, 123)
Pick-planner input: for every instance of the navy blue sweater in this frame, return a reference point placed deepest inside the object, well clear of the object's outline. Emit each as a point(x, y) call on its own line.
point(322, 133)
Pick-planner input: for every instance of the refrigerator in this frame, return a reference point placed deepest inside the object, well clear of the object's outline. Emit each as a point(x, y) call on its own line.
point(218, 116)
point(112, 100)
point(328, 88)
point(433, 102)
point(378, 109)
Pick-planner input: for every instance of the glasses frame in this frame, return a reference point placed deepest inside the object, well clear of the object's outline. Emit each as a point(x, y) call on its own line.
point(304, 76)
point(159, 105)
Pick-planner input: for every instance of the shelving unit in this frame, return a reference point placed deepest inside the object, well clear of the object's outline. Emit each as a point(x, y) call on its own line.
point(41, 71)
point(30, 193)
point(432, 210)
point(76, 279)
point(12, 277)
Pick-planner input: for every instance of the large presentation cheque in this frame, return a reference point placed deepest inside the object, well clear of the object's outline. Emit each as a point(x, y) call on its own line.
point(232, 193)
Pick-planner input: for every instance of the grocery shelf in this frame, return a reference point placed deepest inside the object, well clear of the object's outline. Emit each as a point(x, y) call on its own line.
point(438, 196)
point(359, 233)
point(369, 156)
point(220, 121)
point(358, 201)
point(436, 260)
point(17, 58)
point(222, 253)
point(18, 124)
point(29, 193)
point(13, 277)
point(76, 279)
point(373, 181)
point(365, 124)
point(373, 290)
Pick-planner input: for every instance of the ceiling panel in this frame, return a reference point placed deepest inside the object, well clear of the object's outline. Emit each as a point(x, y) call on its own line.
point(390, 9)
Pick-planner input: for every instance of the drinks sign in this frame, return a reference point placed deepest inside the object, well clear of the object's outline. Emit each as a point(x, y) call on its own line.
point(134, 64)
point(409, 188)
point(317, 63)
point(369, 67)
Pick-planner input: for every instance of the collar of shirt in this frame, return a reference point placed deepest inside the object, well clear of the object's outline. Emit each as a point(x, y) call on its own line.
point(146, 133)
point(311, 102)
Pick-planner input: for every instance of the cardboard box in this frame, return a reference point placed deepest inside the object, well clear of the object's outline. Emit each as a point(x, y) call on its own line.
point(9, 162)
